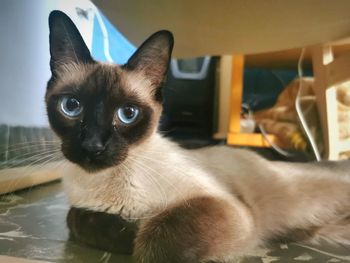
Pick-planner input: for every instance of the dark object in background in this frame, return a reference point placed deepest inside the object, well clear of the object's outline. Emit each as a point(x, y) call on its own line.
point(263, 86)
point(189, 99)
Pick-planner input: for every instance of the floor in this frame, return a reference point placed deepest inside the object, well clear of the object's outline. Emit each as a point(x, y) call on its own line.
point(32, 225)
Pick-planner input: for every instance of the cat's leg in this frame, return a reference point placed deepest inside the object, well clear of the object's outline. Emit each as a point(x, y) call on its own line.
point(201, 229)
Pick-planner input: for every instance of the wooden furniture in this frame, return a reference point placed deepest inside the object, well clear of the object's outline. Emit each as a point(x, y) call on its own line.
point(235, 136)
point(328, 72)
point(204, 27)
point(236, 27)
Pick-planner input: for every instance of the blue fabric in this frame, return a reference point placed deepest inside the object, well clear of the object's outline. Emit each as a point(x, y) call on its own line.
point(120, 48)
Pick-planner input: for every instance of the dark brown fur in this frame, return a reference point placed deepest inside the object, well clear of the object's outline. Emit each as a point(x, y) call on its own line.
point(101, 89)
point(101, 230)
point(193, 231)
point(101, 93)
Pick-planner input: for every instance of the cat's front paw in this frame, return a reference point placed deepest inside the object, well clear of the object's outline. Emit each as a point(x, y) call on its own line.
point(101, 230)
point(202, 229)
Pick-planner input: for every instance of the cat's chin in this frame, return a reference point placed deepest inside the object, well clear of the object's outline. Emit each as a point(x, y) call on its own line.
point(94, 167)
point(90, 165)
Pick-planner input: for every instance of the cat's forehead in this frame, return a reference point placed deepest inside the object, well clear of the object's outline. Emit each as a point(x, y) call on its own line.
point(99, 78)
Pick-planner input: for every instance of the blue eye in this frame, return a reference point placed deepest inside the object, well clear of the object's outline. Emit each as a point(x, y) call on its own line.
point(128, 114)
point(70, 106)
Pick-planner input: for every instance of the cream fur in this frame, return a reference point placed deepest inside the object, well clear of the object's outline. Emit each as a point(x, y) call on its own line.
point(156, 174)
point(277, 196)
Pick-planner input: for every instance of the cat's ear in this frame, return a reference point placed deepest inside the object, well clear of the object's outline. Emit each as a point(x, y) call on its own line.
point(153, 56)
point(66, 44)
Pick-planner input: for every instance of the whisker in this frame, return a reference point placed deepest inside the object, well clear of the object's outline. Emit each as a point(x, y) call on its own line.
point(161, 191)
point(27, 148)
point(56, 160)
point(181, 173)
point(184, 154)
point(161, 177)
point(16, 152)
point(39, 142)
point(15, 146)
point(130, 173)
point(32, 168)
point(22, 160)
point(38, 158)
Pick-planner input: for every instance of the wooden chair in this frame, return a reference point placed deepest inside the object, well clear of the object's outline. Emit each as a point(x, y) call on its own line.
point(235, 136)
point(328, 72)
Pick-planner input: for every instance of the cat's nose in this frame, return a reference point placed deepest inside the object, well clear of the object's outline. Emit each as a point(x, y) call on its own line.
point(93, 147)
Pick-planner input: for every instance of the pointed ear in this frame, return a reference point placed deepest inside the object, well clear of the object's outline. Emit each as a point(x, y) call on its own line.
point(66, 44)
point(153, 56)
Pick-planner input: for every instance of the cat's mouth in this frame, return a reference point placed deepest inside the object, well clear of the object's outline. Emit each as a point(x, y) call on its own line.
point(92, 164)
point(88, 163)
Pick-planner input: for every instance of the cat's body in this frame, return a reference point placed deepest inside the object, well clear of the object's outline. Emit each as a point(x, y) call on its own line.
point(281, 196)
point(159, 174)
point(212, 204)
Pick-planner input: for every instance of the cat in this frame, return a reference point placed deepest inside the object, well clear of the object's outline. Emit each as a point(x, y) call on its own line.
point(208, 205)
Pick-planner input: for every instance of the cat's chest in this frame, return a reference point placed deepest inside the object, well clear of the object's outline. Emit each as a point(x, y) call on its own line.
point(136, 195)
point(115, 195)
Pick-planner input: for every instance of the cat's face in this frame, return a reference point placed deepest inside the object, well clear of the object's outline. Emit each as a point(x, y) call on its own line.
point(99, 111)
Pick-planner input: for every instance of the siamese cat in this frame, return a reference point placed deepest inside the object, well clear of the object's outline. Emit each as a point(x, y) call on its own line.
point(208, 205)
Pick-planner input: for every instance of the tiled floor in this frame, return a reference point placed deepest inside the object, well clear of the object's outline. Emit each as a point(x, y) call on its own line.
point(32, 225)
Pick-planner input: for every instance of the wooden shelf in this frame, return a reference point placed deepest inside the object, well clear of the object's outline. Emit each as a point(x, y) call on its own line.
point(252, 140)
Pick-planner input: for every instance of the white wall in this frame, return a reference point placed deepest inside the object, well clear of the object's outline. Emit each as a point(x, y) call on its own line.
point(24, 59)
